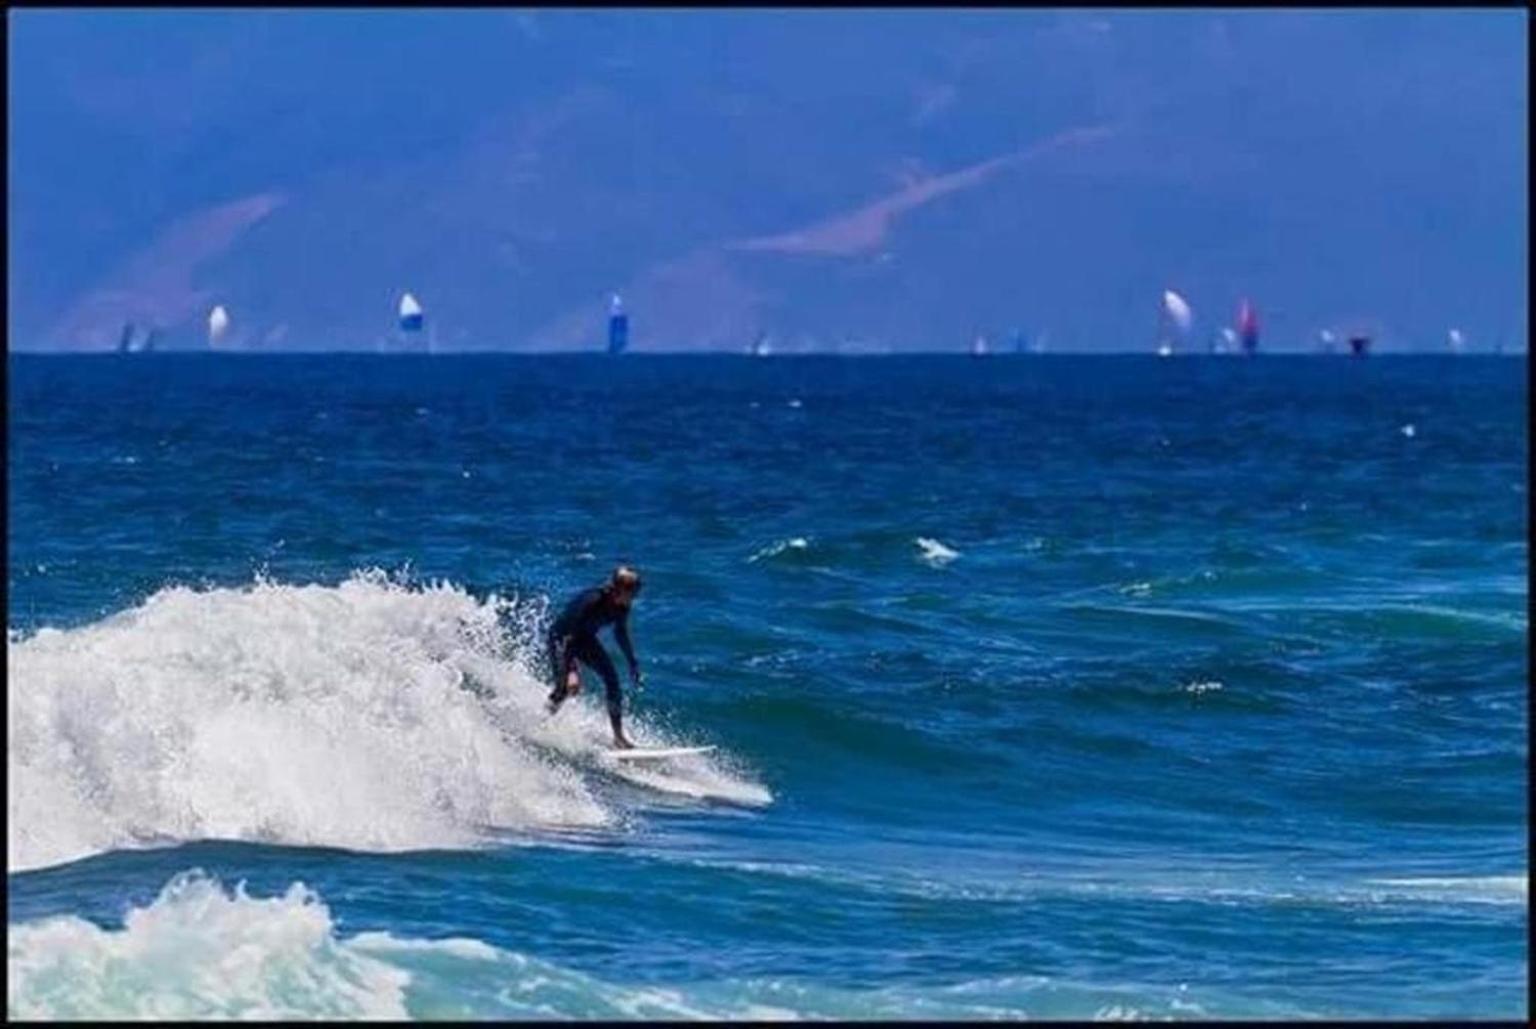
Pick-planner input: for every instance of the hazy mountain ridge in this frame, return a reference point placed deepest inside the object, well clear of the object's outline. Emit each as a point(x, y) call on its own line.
point(834, 178)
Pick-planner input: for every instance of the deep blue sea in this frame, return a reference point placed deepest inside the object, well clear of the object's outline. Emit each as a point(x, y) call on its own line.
point(1099, 687)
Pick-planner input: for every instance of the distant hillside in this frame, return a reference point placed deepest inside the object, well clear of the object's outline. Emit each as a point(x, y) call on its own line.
point(837, 179)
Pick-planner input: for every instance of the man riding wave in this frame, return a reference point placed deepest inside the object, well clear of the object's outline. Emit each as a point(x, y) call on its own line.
point(573, 638)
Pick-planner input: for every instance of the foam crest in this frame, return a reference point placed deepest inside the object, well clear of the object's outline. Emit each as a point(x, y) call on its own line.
point(369, 715)
point(199, 951)
point(779, 547)
point(934, 553)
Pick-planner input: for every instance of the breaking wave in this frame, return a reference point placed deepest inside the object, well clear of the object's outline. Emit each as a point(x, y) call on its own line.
point(201, 951)
point(370, 715)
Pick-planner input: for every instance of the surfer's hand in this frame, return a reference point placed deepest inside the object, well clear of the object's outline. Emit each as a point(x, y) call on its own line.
point(636, 678)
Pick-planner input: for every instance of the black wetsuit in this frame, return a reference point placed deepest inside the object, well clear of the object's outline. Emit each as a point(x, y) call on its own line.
point(573, 638)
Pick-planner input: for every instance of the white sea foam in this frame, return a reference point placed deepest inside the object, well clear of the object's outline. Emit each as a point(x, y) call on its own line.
point(933, 552)
point(779, 547)
point(1473, 889)
point(202, 951)
point(198, 952)
point(368, 715)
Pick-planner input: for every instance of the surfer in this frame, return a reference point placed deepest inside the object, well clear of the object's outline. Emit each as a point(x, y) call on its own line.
point(573, 638)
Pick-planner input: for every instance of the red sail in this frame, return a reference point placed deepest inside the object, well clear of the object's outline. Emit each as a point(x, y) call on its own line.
point(1248, 326)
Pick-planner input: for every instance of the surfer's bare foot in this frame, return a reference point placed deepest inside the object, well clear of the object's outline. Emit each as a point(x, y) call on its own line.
point(622, 743)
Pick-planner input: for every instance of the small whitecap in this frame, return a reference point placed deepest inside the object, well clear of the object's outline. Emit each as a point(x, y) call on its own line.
point(774, 549)
point(1197, 688)
point(934, 552)
point(1409, 431)
point(1137, 589)
point(795, 403)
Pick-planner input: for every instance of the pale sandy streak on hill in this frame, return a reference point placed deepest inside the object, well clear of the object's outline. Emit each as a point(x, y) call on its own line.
point(154, 286)
point(865, 229)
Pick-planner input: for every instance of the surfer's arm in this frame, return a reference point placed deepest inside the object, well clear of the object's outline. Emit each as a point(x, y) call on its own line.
point(621, 636)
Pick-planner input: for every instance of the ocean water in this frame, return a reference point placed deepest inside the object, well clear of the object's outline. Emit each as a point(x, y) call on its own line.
point(1055, 687)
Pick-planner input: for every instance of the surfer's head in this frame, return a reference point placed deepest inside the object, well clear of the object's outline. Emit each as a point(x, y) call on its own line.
point(625, 584)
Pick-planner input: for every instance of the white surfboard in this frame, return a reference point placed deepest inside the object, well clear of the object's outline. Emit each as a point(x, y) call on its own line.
point(654, 754)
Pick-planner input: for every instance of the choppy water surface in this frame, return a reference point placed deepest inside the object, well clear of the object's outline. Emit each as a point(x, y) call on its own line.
point(1061, 687)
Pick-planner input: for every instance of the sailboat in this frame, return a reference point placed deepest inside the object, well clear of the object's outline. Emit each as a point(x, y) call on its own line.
point(979, 346)
point(218, 325)
point(1176, 322)
point(760, 346)
point(1248, 327)
point(411, 320)
point(618, 326)
point(1456, 340)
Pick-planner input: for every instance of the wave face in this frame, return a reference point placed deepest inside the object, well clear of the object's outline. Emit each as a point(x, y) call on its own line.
point(204, 951)
point(368, 715)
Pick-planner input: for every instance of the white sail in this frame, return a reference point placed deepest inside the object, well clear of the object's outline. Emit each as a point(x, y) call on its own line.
point(615, 306)
point(1456, 339)
point(1178, 310)
point(218, 324)
point(411, 318)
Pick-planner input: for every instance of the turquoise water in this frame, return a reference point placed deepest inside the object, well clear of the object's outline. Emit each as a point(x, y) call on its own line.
point(1056, 687)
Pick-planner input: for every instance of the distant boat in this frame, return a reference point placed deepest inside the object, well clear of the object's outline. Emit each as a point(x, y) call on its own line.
point(1359, 345)
point(979, 346)
point(218, 325)
point(1327, 341)
point(760, 347)
point(1248, 327)
point(1456, 340)
point(1225, 341)
point(618, 326)
point(412, 318)
point(136, 339)
point(1176, 319)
